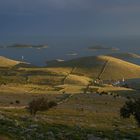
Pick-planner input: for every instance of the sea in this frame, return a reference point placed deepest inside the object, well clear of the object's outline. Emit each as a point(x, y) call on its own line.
point(66, 49)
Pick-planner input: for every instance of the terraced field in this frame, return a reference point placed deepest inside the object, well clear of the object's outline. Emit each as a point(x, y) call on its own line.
point(79, 115)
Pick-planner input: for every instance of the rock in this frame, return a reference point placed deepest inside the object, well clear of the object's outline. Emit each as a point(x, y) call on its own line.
point(92, 137)
point(2, 117)
point(33, 126)
point(41, 136)
point(28, 131)
point(17, 123)
point(24, 118)
point(50, 135)
point(60, 136)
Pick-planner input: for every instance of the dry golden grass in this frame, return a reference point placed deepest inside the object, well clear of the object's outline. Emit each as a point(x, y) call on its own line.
point(100, 112)
point(57, 71)
point(118, 90)
point(25, 93)
point(5, 62)
point(71, 88)
point(90, 110)
point(48, 80)
point(118, 69)
point(77, 80)
point(60, 70)
point(27, 88)
point(92, 67)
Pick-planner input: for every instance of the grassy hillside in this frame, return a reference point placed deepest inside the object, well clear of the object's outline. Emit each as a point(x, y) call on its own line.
point(78, 115)
point(77, 71)
point(6, 62)
point(105, 67)
point(117, 69)
point(86, 115)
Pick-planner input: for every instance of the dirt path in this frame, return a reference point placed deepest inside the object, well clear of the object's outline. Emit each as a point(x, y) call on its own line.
point(99, 76)
point(66, 99)
point(63, 81)
point(103, 69)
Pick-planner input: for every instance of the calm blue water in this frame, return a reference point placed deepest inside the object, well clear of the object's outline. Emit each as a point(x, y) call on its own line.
point(60, 49)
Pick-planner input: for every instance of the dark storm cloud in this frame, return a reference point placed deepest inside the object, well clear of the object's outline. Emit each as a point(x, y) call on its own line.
point(37, 6)
point(22, 18)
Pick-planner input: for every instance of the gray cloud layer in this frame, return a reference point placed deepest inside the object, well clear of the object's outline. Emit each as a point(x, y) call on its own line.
point(69, 17)
point(38, 6)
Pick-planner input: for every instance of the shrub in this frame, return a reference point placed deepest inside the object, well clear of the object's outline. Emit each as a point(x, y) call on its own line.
point(104, 93)
point(17, 102)
point(52, 104)
point(40, 104)
point(131, 107)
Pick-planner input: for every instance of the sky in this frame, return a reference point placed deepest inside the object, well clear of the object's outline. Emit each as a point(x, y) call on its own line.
point(30, 20)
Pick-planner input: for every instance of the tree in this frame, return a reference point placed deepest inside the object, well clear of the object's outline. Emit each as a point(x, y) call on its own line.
point(131, 107)
point(40, 104)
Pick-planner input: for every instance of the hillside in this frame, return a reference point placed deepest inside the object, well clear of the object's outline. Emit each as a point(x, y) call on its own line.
point(6, 62)
point(125, 55)
point(105, 67)
point(100, 47)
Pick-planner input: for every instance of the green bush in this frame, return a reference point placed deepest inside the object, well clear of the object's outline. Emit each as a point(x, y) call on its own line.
point(40, 104)
point(131, 107)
